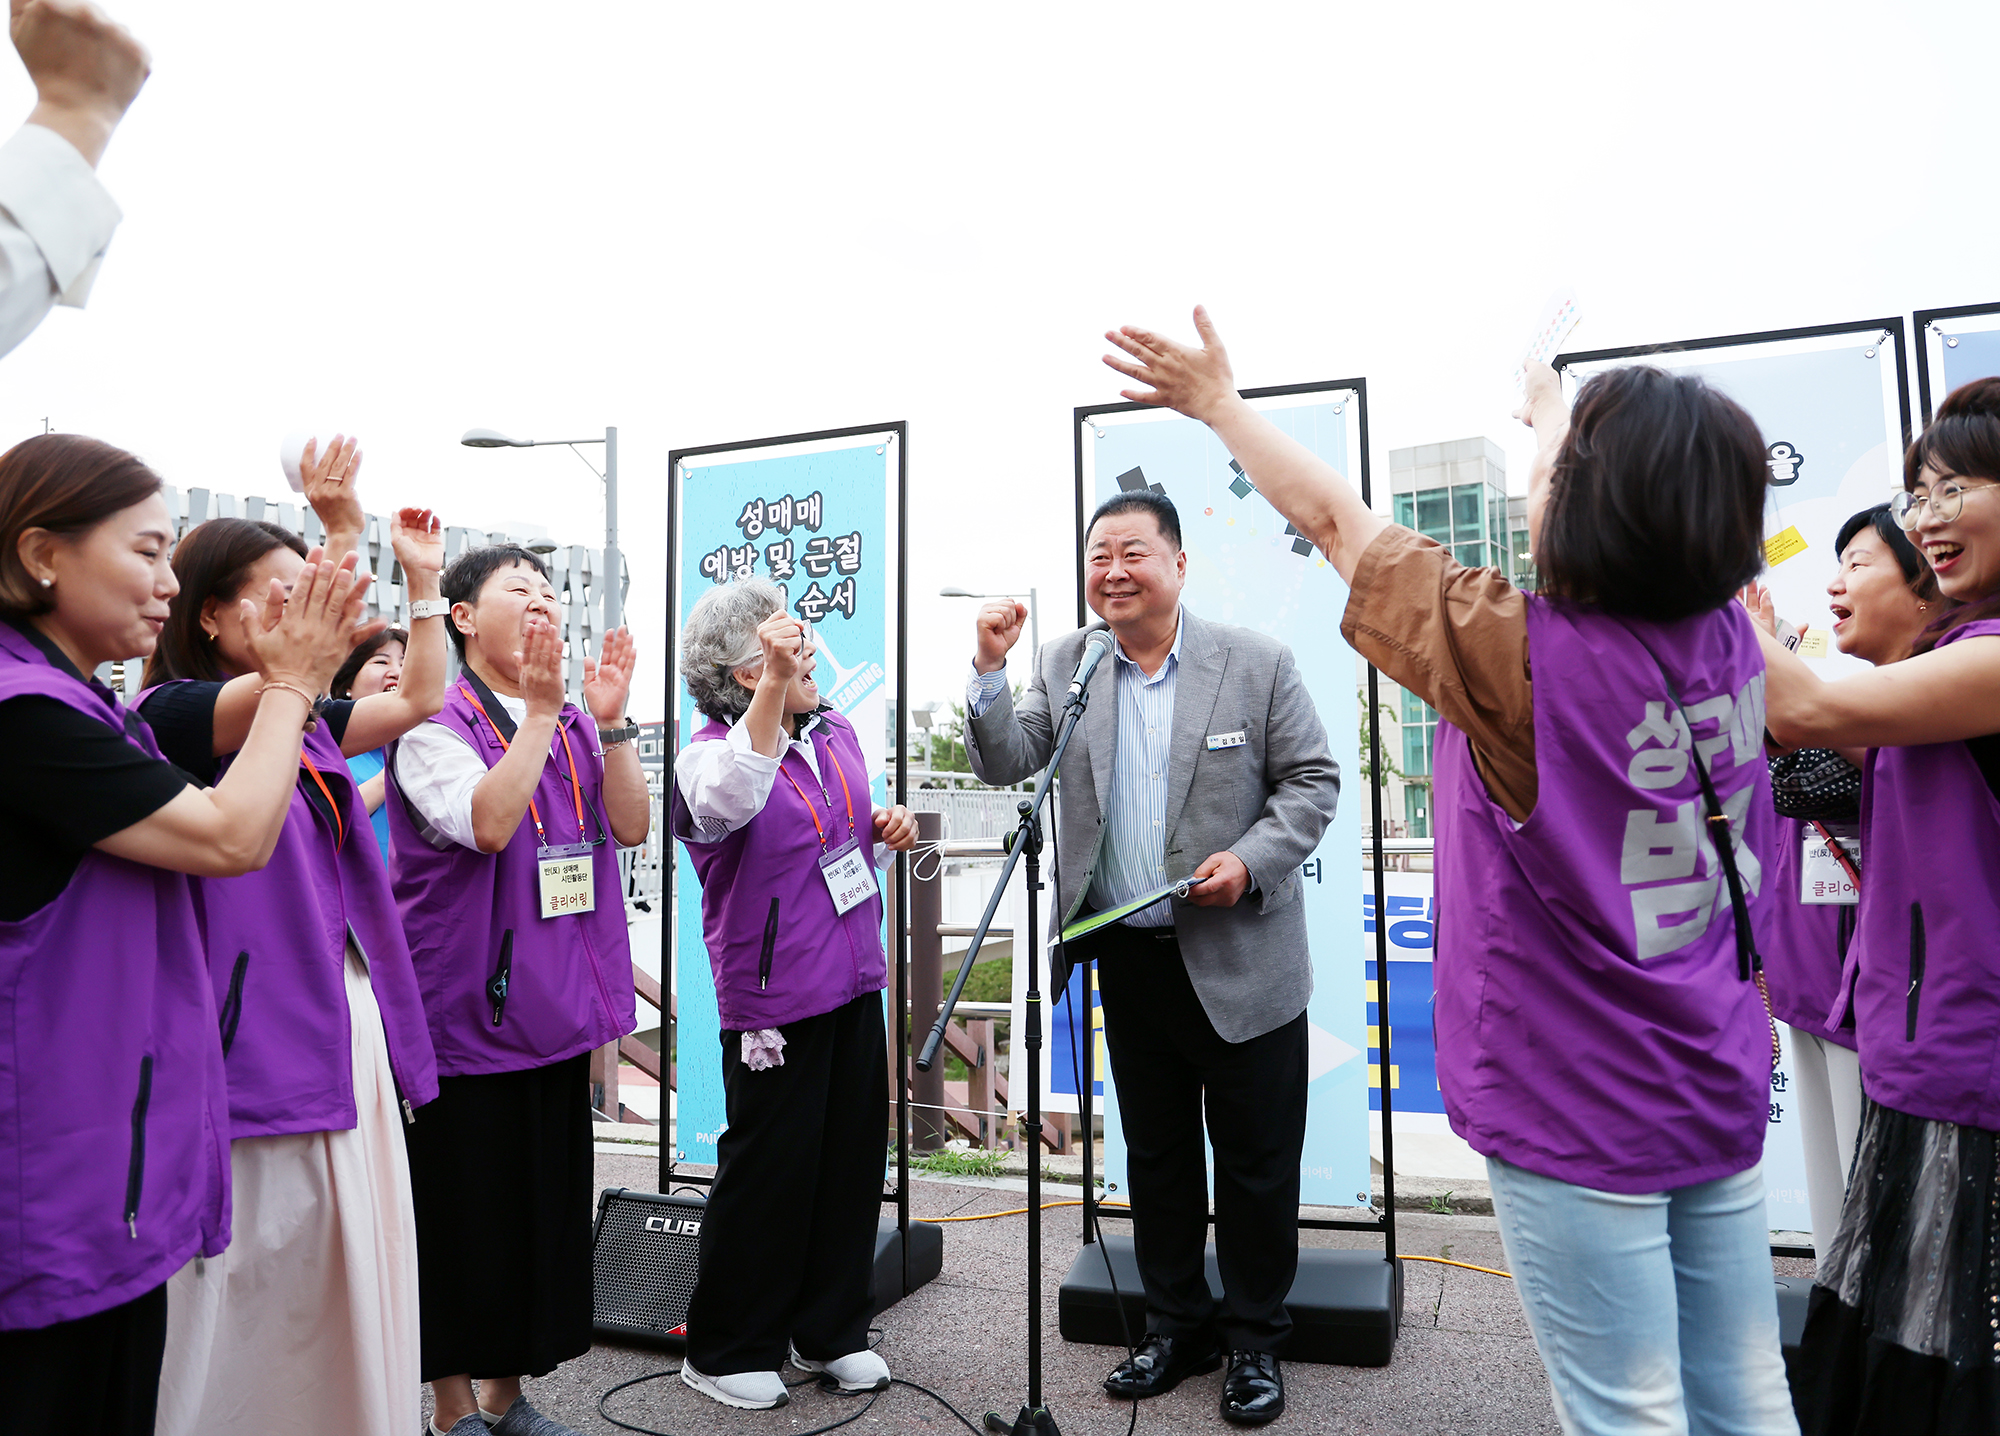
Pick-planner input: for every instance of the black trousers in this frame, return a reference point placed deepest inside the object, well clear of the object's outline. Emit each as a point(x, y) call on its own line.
point(96, 1376)
point(1171, 1067)
point(500, 1178)
point(788, 1241)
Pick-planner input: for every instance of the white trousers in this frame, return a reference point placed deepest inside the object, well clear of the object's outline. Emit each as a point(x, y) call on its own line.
point(1829, 1106)
point(307, 1324)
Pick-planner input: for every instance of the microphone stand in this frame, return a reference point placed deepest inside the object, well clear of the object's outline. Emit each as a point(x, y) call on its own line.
point(1026, 839)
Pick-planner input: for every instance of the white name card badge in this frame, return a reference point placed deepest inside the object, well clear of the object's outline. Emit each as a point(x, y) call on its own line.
point(850, 878)
point(1218, 741)
point(567, 885)
point(1821, 877)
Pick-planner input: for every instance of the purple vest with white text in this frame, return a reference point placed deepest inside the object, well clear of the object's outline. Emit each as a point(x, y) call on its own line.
point(778, 949)
point(114, 1115)
point(1927, 983)
point(1591, 1022)
point(277, 955)
point(474, 917)
point(1804, 944)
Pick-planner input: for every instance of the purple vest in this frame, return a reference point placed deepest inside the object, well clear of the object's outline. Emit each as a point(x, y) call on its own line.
point(1927, 989)
point(779, 951)
point(1804, 944)
point(1591, 1024)
point(277, 953)
point(505, 988)
point(112, 1094)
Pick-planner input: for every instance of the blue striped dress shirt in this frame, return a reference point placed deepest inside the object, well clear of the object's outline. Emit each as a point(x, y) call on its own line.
point(1133, 859)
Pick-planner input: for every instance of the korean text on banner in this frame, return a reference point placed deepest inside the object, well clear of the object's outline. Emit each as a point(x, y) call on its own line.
point(820, 523)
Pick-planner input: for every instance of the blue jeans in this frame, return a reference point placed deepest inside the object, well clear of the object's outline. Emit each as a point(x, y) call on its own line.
point(1654, 1313)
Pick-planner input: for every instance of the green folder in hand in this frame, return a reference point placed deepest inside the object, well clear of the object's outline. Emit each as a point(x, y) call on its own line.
point(1091, 922)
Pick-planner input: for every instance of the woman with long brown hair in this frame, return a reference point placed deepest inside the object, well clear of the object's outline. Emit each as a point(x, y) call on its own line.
point(113, 1096)
point(309, 1322)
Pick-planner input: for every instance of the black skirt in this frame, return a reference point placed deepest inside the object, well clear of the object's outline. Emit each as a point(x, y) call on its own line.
point(1903, 1332)
point(501, 1175)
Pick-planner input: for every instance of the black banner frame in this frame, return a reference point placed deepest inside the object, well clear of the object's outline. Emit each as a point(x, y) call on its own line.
point(1924, 319)
point(899, 435)
point(1386, 1224)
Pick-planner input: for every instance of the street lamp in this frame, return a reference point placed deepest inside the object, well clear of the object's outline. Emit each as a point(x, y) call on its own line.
point(1034, 613)
point(614, 568)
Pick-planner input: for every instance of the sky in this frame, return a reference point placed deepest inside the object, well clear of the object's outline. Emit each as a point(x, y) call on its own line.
point(720, 222)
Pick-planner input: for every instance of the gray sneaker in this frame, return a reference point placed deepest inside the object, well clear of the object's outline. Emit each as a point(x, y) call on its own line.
point(521, 1419)
point(464, 1426)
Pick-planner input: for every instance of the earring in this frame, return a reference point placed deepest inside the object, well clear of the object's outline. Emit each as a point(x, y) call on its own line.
point(48, 583)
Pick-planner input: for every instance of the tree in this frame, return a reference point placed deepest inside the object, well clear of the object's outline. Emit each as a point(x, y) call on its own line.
point(1377, 766)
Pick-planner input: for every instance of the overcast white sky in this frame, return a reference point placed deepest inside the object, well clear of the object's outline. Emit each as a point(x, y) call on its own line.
point(712, 223)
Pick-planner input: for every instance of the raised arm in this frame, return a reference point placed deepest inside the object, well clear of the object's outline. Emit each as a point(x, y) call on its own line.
point(87, 70)
point(1306, 489)
point(299, 642)
point(1944, 696)
point(607, 693)
point(1005, 742)
point(501, 799)
point(418, 540)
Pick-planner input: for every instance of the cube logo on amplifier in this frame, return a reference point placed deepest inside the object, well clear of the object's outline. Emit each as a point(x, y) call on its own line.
point(645, 1253)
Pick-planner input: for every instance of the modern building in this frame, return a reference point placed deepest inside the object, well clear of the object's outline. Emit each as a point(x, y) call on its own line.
point(1456, 493)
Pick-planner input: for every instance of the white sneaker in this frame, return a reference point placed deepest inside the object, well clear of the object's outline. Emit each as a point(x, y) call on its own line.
point(859, 1371)
point(746, 1390)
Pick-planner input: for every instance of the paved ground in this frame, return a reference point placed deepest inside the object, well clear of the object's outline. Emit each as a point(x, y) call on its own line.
point(1464, 1364)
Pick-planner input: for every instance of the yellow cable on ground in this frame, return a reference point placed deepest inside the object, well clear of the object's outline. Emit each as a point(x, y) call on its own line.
point(1126, 1207)
point(1023, 1211)
point(1446, 1261)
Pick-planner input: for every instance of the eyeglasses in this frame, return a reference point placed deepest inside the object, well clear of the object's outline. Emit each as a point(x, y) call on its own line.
point(1946, 498)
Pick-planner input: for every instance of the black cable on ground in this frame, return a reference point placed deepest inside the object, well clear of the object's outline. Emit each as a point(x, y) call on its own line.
point(869, 1405)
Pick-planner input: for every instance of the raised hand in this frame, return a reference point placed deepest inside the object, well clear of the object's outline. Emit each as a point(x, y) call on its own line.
point(1540, 384)
point(1196, 382)
point(416, 536)
point(87, 70)
point(541, 669)
point(896, 828)
point(997, 629)
point(1757, 599)
point(331, 486)
point(303, 638)
point(782, 638)
point(607, 678)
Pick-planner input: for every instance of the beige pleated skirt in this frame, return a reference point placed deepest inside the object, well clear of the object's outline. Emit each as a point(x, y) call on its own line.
point(308, 1323)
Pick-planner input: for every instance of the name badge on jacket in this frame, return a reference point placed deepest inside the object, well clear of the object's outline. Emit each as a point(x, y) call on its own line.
point(1218, 741)
point(567, 885)
point(1823, 877)
point(849, 877)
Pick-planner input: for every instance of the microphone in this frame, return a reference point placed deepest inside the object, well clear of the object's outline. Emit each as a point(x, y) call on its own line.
point(1094, 648)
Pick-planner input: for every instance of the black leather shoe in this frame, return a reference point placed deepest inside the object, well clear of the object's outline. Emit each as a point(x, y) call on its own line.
point(1254, 1391)
point(1160, 1364)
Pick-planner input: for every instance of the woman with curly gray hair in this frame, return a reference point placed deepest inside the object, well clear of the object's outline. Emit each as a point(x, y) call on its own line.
point(792, 919)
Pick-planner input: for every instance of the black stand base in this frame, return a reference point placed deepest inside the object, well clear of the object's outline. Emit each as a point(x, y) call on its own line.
point(926, 1260)
point(1033, 1421)
point(1346, 1306)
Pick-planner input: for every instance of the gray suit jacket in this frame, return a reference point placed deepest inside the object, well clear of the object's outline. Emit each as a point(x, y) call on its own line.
point(1267, 801)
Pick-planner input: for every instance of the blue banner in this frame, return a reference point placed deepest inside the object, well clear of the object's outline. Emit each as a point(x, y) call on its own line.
point(1247, 566)
point(819, 525)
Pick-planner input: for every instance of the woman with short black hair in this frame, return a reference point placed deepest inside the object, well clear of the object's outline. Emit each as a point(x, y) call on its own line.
point(116, 1173)
point(374, 667)
point(1603, 821)
point(1901, 1333)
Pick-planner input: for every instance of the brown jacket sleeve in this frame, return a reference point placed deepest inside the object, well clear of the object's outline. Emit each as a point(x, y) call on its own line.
point(1456, 637)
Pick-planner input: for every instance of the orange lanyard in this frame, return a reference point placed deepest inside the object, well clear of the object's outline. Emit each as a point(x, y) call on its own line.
point(339, 827)
point(844, 792)
point(576, 783)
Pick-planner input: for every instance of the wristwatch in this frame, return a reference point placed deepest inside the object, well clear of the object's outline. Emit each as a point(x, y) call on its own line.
point(609, 738)
point(428, 608)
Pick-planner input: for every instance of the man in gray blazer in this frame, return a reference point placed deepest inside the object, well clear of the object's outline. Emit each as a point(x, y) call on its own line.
point(1200, 757)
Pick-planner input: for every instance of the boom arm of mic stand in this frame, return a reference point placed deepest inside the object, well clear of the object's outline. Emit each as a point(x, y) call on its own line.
point(1072, 714)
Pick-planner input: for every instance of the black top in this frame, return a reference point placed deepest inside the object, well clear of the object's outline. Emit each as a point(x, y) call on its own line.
point(182, 717)
point(74, 780)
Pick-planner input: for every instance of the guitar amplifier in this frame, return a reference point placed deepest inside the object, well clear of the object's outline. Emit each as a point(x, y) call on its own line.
point(646, 1251)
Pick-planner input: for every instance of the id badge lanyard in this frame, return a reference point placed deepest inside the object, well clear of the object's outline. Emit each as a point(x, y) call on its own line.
point(849, 878)
point(567, 881)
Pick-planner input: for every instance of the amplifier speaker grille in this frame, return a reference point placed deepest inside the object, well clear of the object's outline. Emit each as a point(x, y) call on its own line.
point(645, 1252)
